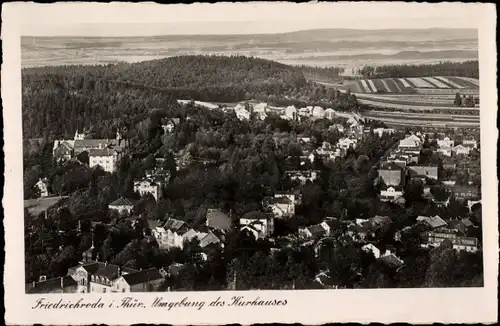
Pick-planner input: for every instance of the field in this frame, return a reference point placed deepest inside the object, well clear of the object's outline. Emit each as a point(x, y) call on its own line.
point(444, 85)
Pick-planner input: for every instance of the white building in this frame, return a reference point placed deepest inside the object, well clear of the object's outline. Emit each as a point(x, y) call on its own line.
point(291, 113)
point(318, 112)
point(461, 150)
point(383, 131)
point(106, 158)
point(146, 186)
point(302, 176)
point(371, 248)
point(329, 114)
point(241, 112)
point(259, 224)
point(390, 193)
point(42, 187)
point(122, 205)
point(446, 142)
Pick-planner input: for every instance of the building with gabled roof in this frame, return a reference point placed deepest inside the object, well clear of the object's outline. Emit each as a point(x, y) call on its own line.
point(64, 284)
point(122, 205)
point(433, 222)
point(391, 174)
point(148, 186)
point(147, 280)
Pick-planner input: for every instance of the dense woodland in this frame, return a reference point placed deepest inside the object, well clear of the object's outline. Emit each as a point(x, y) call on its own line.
point(58, 100)
point(231, 165)
point(462, 69)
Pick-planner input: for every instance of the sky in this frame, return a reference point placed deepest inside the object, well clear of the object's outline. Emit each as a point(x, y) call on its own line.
point(119, 19)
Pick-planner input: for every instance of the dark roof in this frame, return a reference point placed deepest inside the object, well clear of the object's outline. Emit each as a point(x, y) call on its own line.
point(256, 215)
point(111, 271)
point(467, 222)
point(390, 166)
point(151, 274)
point(101, 152)
point(176, 225)
point(122, 201)
point(217, 219)
point(50, 285)
point(317, 230)
point(391, 261)
point(94, 143)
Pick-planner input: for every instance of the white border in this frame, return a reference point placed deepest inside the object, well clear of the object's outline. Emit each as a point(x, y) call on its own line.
point(308, 307)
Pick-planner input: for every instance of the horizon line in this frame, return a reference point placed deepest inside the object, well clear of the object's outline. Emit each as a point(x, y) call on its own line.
point(254, 34)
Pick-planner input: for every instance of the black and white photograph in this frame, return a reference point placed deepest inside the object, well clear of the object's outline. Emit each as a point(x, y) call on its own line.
point(325, 153)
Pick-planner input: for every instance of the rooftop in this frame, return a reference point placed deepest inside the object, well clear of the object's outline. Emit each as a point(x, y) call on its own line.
point(144, 276)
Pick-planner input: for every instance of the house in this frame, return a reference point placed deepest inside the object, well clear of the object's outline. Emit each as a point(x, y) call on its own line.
point(391, 174)
point(280, 206)
point(371, 248)
point(169, 124)
point(160, 175)
point(147, 186)
point(302, 176)
point(305, 112)
point(425, 171)
point(241, 112)
point(465, 192)
point(63, 150)
point(218, 220)
point(329, 114)
point(260, 224)
point(291, 113)
point(358, 233)
point(147, 280)
point(346, 143)
point(171, 234)
point(214, 237)
point(410, 143)
point(458, 227)
point(461, 150)
point(432, 222)
point(317, 231)
point(64, 284)
point(445, 143)
point(122, 205)
point(383, 131)
point(446, 151)
point(97, 277)
point(469, 143)
point(318, 112)
point(390, 260)
point(106, 158)
point(85, 145)
point(42, 187)
point(434, 239)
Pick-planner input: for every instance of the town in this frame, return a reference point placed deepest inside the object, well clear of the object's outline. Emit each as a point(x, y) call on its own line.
point(201, 195)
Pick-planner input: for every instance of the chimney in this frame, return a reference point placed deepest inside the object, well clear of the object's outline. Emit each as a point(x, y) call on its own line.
point(34, 283)
point(62, 282)
point(106, 263)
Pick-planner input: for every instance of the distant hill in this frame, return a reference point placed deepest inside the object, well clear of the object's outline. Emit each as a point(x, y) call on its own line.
point(197, 72)
point(301, 46)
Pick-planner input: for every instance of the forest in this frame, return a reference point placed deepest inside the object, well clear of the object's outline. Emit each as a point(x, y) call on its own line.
point(58, 100)
point(447, 68)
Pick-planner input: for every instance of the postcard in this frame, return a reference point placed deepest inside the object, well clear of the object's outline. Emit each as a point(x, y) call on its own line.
point(205, 164)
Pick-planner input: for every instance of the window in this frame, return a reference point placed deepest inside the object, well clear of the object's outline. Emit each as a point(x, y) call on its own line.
point(103, 290)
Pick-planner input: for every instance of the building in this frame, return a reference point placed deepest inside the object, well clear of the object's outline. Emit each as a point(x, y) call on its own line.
point(64, 284)
point(171, 234)
point(317, 231)
point(63, 150)
point(302, 176)
point(465, 192)
point(446, 151)
point(434, 239)
point(461, 150)
point(390, 193)
point(241, 112)
point(383, 131)
point(330, 114)
point(371, 248)
point(169, 124)
point(432, 222)
point(446, 142)
point(42, 187)
point(291, 113)
point(122, 205)
point(390, 260)
point(425, 171)
point(147, 186)
point(469, 142)
point(391, 174)
point(318, 112)
point(106, 158)
point(260, 224)
point(218, 220)
point(410, 143)
point(147, 280)
point(346, 143)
